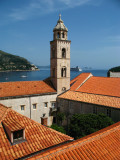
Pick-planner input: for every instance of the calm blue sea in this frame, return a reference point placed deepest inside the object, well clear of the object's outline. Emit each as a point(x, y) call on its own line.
point(41, 74)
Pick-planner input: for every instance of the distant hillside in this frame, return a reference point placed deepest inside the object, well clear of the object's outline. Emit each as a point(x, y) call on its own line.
point(115, 69)
point(9, 62)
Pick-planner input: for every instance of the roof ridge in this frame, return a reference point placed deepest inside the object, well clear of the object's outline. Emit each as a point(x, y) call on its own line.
point(89, 76)
point(107, 77)
point(81, 74)
point(96, 94)
point(21, 81)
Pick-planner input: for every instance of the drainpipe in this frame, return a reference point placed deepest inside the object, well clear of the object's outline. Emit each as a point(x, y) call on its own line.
point(30, 106)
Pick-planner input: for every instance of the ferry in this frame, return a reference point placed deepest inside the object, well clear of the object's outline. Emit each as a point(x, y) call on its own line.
point(78, 69)
point(23, 76)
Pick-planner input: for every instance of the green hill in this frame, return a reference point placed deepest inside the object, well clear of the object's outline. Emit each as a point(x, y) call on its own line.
point(115, 69)
point(9, 62)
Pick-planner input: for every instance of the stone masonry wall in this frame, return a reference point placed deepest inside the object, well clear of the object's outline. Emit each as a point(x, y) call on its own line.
point(71, 107)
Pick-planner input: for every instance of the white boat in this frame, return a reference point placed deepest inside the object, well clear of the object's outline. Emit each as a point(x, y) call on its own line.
point(23, 76)
point(78, 69)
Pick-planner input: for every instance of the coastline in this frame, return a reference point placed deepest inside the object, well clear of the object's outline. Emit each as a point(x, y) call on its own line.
point(19, 70)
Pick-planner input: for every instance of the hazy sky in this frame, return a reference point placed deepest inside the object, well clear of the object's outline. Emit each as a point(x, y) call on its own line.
point(26, 29)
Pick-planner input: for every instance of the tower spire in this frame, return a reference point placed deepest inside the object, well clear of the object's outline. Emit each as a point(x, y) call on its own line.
point(59, 16)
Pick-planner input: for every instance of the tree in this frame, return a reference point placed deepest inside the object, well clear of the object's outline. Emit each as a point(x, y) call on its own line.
point(115, 69)
point(58, 128)
point(84, 124)
point(60, 117)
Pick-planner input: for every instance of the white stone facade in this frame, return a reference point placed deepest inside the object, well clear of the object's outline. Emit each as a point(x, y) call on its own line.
point(114, 74)
point(28, 101)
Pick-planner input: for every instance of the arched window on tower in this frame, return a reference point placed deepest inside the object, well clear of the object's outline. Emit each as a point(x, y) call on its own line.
point(63, 35)
point(63, 72)
point(63, 53)
point(58, 35)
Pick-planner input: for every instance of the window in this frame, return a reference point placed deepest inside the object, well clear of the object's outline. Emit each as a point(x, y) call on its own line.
point(34, 106)
point(22, 107)
point(63, 72)
point(44, 114)
point(63, 35)
point(53, 104)
point(109, 112)
point(63, 89)
point(54, 119)
point(46, 104)
point(94, 110)
point(18, 135)
point(63, 53)
point(58, 35)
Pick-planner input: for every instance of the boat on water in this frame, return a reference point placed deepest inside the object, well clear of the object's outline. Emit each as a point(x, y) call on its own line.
point(78, 69)
point(23, 76)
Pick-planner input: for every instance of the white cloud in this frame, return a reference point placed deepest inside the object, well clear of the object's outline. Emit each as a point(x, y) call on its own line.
point(39, 7)
point(74, 3)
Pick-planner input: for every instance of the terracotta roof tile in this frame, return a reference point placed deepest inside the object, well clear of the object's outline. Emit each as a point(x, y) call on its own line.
point(92, 98)
point(101, 85)
point(8, 89)
point(104, 144)
point(12, 124)
point(79, 80)
point(38, 137)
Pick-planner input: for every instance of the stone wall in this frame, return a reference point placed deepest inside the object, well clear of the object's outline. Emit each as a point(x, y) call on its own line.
point(114, 74)
point(35, 114)
point(70, 107)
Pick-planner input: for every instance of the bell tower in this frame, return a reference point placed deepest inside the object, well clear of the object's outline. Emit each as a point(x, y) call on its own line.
point(60, 58)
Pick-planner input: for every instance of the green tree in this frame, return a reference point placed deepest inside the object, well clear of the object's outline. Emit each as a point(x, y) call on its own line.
point(60, 117)
point(84, 124)
point(58, 128)
point(115, 69)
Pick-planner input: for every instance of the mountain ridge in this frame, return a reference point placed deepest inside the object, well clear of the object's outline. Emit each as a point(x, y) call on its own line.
point(10, 62)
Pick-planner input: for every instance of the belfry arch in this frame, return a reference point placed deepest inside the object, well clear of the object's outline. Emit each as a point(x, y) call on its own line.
point(63, 53)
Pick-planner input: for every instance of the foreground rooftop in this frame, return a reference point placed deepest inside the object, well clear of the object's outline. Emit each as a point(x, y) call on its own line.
point(102, 145)
point(37, 137)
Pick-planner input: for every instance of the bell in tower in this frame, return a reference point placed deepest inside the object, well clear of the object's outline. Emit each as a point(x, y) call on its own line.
point(60, 58)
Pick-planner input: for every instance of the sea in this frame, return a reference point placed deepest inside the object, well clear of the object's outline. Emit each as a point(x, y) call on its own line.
point(42, 74)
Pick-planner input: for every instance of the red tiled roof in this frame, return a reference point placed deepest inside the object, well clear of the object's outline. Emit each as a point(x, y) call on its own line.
point(92, 98)
point(79, 80)
point(12, 125)
point(96, 90)
point(25, 88)
point(101, 85)
point(38, 137)
point(102, 145)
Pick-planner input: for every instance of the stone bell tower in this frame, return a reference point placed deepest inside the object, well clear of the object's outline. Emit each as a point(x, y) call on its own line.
point(60, 58)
